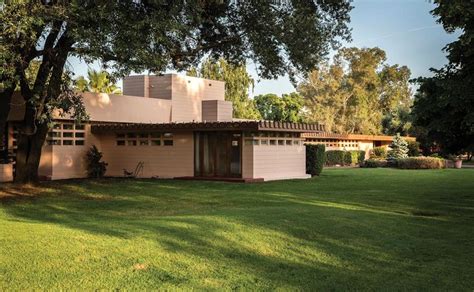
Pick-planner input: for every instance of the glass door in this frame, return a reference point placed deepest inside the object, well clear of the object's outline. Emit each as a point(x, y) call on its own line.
point(217, 154)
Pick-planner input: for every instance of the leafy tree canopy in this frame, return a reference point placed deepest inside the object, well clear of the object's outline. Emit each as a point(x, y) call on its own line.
point(444, 103)
point(133, 35)
point(98, 82)
point(287, 108)
point(355, 92)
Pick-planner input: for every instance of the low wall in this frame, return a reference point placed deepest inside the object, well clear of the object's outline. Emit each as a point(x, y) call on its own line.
point(6, 172)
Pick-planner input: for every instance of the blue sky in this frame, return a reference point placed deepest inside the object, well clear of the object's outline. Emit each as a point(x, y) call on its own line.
point(405, 29)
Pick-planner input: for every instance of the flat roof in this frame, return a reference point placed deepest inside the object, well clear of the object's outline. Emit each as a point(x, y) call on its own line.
point(210, 126)
point(325, 135)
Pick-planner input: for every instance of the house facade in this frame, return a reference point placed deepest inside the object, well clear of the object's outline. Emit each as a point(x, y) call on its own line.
point(170, 126)
point(350, 142)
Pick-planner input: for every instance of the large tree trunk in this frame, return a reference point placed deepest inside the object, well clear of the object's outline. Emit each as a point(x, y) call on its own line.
point(29, 154)
point(5, 100)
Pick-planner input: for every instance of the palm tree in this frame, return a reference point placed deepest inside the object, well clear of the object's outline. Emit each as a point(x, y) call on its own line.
point(97, 82)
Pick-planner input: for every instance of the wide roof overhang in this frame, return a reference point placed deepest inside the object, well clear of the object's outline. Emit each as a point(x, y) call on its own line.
point(98, 128)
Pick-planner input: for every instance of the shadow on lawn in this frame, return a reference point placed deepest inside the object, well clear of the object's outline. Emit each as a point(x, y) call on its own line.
point(279, 238)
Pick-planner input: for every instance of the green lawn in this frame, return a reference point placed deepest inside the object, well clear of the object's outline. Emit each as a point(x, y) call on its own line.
point(348, 229)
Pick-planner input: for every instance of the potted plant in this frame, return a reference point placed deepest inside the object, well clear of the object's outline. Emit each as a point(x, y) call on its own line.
point(457, 159)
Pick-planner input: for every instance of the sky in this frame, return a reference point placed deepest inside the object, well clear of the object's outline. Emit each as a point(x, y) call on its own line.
point(404, 29)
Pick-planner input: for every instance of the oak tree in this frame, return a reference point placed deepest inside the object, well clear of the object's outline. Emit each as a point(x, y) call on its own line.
point(130, 35)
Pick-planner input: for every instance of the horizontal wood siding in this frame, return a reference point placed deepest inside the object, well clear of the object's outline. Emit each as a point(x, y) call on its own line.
point(273, 162)
point(134, 85)
point(159, 161)
point(160, 86)
point(188, 94)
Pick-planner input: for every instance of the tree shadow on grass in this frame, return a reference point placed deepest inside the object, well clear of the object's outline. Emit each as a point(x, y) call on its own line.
point(274, 238)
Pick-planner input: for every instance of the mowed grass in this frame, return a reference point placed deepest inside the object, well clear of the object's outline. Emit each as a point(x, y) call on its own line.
point(350, 229)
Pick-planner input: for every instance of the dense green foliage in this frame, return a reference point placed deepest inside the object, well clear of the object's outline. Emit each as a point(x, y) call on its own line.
point(155, 36)
point(348, 158)
point(335, 157)
point(95, 167)
point(443, 103)
point(398, 148)
point(348, 229)
point(98, 82)
point(237, 85)
point(287, 108)
point(374, 163)
point(420, 163)
point(413, 148)
point(315, 159)
point(379, 152)
point(358, 93)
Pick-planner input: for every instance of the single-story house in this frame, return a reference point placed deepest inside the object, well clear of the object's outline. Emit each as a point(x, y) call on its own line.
point(350, 142)
point(170, 126)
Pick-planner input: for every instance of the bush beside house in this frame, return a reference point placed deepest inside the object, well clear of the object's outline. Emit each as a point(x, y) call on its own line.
point(344, 158)
point(420, 163)
point(315, 159)
point(95, 167)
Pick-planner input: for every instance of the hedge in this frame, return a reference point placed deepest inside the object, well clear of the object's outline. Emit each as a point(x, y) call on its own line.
point(379, 152)
point(344, 158)
point(315, 159)
point(361, 157)
point(373, 163)
point(420, 163)
point(334, 157)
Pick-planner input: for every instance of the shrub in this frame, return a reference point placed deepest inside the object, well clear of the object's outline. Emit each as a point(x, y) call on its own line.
point(420, 163)
point(379, 152)
point(373, 163)
point(361, 157)
point(347, 158)
point(334, 157)
point(95, 167)
point(315, 159)
point(413, 148)
point(399, 148)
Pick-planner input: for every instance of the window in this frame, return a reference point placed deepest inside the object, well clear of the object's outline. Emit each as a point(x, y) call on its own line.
point(281, 142)
point(273, 142)
point(296, 142)
point(66, 134)
point(289, 142)
point(145, 139)
point(264, 142)
point(255, 142)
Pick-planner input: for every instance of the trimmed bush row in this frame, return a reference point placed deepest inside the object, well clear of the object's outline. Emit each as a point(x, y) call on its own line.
point(407, 163)
point(420, 163)
point(344, 158)
point(315, 159)
point(374, 163)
